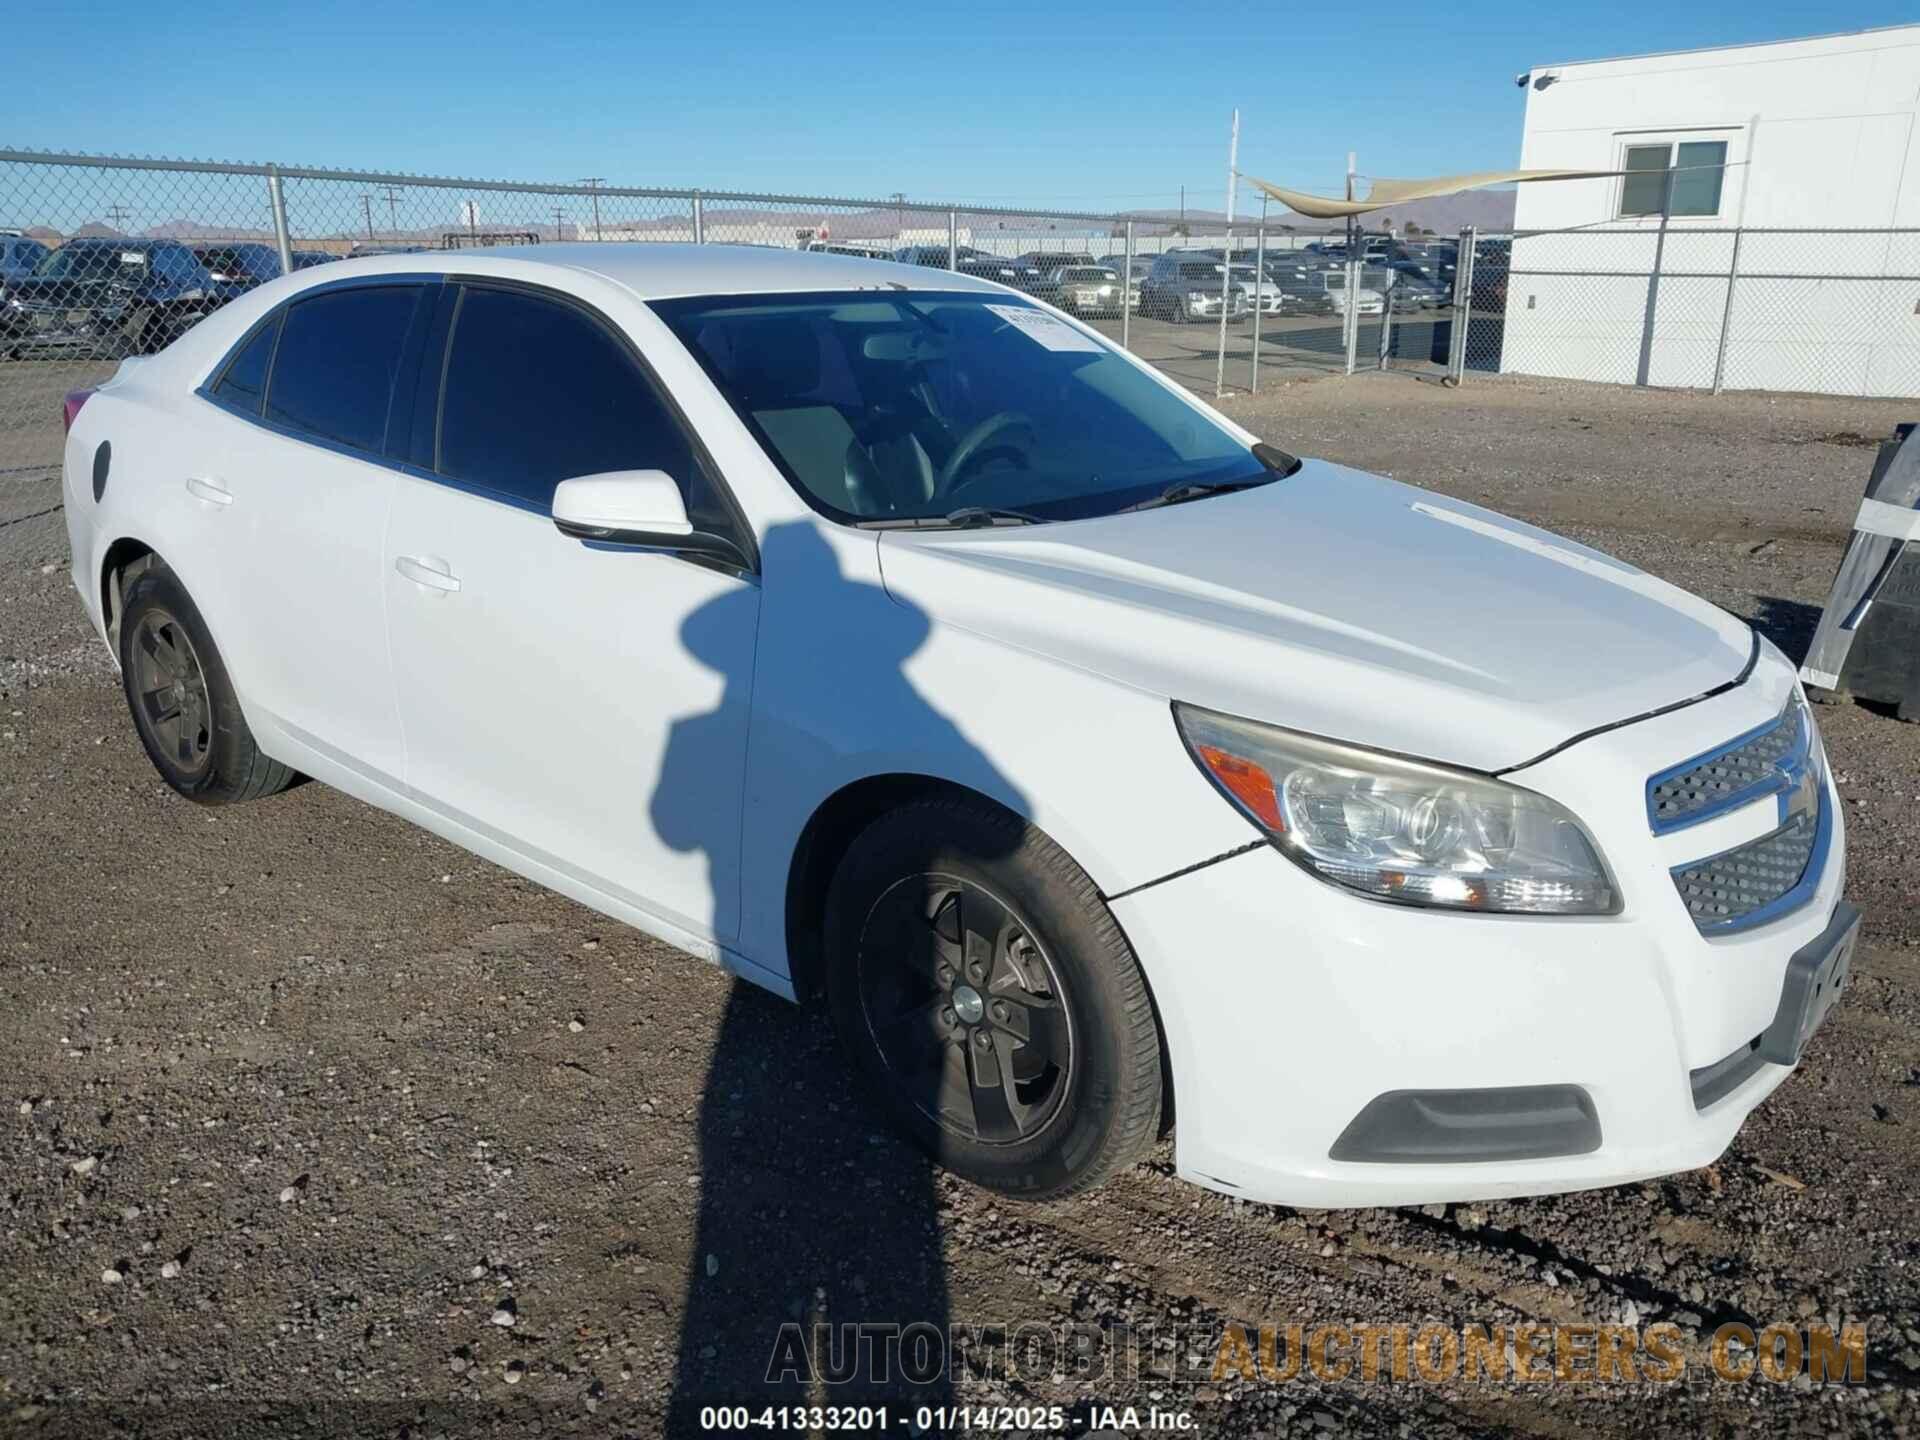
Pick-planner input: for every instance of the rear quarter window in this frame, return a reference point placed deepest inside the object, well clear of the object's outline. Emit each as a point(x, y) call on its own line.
point(244, 383)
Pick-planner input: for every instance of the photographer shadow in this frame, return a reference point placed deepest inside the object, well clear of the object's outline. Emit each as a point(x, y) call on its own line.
point(817, 1246)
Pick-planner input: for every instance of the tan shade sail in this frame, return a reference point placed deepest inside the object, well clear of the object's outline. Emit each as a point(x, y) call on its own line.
point(1397, 192)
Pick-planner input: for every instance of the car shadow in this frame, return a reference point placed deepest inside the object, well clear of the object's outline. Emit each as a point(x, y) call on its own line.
point(816, 1274)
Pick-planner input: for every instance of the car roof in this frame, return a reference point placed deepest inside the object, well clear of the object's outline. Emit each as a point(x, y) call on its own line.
point(656, 270)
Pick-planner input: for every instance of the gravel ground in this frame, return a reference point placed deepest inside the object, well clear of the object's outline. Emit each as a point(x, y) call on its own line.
point(317, 1125)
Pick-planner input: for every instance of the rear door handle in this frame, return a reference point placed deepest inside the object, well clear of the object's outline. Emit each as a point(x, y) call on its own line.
point(208, 490)
point(428, 571)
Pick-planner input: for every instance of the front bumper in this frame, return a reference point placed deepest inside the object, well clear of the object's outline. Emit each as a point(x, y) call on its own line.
point(1209, 307)
point(1290, 1006)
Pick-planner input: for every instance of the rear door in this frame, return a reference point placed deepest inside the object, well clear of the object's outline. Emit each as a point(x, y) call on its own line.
point(291, 493)
point(581, 706)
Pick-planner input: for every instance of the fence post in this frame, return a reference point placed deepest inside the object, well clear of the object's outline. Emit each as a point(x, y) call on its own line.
point(1386, 313)
point(953, 240)
point(1726, 314)
point(1462, 306)
point(1126, 290)
point(1259, 293)
point(699, 221)
point(277, 200)
point(1351, 300)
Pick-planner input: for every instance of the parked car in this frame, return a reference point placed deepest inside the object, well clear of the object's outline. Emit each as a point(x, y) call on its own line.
point(108, 297)
point(1136, 270)
point(307, 259)
point(1181, 286)
point(969, 261)
point(1084, 290)
point(1077, 749)
point(18, 256)
point(1365, 299)
point(1040, 269)
point(236, 269)
point(1409, 287)
point(1297, 274)
point(847, 247)
point(1492, 259)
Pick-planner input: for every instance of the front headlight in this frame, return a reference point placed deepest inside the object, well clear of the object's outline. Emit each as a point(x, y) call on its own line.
point(1402, 830)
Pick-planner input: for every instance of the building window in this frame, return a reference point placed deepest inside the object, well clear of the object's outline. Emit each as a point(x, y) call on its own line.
point(1698, 170)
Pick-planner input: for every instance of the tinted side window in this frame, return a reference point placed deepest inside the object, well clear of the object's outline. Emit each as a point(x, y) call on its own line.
point(339, 353)
point(538, 392)
point(246, 378)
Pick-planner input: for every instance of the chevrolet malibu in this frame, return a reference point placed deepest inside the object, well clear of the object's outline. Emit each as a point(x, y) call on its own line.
point(893, 641)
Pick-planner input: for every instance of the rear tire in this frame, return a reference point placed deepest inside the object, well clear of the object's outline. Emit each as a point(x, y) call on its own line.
point(182, 699)
point(990, 1002)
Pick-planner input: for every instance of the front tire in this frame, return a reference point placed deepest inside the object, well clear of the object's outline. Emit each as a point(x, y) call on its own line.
point(182, 699)
point(989, 1000)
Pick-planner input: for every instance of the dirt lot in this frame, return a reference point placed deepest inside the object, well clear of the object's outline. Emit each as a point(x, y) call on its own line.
point(304, 1104)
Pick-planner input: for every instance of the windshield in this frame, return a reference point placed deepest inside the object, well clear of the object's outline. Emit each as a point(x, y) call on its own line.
point(887, 407)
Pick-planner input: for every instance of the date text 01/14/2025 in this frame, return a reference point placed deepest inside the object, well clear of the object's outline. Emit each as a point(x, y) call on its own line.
point(856, 1419)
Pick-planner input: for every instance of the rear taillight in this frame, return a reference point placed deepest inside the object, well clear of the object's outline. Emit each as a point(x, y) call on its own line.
point(70, 407)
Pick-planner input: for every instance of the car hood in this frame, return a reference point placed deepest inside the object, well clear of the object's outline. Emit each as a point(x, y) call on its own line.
point(1341, 604)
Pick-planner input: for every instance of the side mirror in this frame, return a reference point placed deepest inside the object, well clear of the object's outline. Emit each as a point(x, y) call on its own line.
point(635, 509)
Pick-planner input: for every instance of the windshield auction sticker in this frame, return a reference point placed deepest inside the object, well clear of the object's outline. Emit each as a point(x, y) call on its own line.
point(1045, 329)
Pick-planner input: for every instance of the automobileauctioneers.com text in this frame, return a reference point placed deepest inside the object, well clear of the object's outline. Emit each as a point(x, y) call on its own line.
point(1570, 1353)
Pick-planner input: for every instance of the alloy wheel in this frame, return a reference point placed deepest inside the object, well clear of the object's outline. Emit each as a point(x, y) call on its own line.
point(170, 690)
point(966, 1009)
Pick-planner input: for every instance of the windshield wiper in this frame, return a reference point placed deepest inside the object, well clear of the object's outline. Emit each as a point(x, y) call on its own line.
point(1185, 490)
point(1278, 461)
point(967, 517)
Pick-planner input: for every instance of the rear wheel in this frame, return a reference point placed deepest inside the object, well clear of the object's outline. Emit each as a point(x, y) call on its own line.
point(989, 1000)
point(183, 703)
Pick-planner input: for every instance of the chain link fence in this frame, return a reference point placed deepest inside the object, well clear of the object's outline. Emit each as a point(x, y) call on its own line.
point(1833, 312)
point(105, 257)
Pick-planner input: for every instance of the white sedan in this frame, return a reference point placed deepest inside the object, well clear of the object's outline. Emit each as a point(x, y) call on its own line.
point(891, 639)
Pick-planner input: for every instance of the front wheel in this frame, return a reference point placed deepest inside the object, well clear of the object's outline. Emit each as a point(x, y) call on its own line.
point(989, 1000)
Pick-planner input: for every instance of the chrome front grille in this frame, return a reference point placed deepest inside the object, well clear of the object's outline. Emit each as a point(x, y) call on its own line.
point(1729, 890)
point(1778, 765)
point(1750, 767)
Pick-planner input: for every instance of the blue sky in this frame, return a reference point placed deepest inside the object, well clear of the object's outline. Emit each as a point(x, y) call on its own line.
point(1096, 106)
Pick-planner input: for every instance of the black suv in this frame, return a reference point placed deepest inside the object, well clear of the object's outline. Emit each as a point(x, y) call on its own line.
point(108, 298)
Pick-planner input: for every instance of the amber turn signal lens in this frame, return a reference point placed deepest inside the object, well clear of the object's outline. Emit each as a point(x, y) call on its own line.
point(1246, 782)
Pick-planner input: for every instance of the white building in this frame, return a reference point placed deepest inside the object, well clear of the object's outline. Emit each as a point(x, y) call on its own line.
point(1813, 134)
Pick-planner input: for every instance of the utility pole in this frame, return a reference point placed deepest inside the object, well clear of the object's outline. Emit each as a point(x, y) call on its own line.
point(558, 216)
point(1183, 209)
point(119, 215)
point(900, 214)
point(594, 181)
point(366, 205)
point(393, 209)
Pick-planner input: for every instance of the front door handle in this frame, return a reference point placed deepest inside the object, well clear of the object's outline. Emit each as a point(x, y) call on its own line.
point(210, 491)
point(428, 571)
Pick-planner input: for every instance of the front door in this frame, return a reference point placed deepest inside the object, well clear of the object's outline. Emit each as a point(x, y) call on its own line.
point(581, 706)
